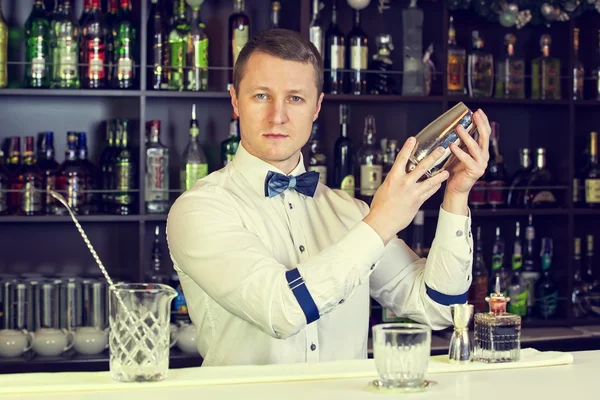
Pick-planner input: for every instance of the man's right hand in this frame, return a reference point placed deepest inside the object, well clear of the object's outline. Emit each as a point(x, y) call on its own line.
point(400, 196)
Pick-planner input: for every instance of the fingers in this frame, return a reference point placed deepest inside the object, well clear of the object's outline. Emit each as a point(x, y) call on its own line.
point(474, 149)
point(484, 129)
point(430, 183)
point(399, 167)
point(466, 159)
point(427, 163)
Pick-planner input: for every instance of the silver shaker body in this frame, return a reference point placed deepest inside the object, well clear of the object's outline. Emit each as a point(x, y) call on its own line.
point(442, 132)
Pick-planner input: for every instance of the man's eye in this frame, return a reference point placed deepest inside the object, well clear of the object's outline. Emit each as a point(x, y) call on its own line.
point(296, 99)
point(261, 96)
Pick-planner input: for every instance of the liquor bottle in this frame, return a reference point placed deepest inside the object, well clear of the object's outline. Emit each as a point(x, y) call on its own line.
point(592, 285)
point(315, 29)
point(531, 271)
point(177, 46)
point(107, 167)
point(358, 55)
point(335, 55)
point(37, 38)
point(343, 176)
point(48, 166)
point(511, 72)
point(71, 179)
point(413, 75)
point(3, 50)
point(87, 6)
point(380, 82)
point(480, 284)
point(478, 193)
point(230, 145)
point(275, 11)
point(391, 152)
point(28, 183)
point(418, 245)
point(157, 172)
point(429, 69)
point(480, 69)
point(14, 157)
point(497, 333)
point(239, 32)
point(546, 290)
point(124, 73)
point(65, 45)
point(595, 78)
point(124, 199)
point(110, 32)
point(590, 174)
point(578, 69)
point(196, 76)
point(317, 160)
point(370, 160)
point(92, 173)
point(516, 290)
point(496, 174)
point(578, 295)
point(93, 57)
point(194, 165)
point(499, 270)
point(455, 69)
point(158, 47)
point(545, 73)
point(516, 193)
point(156, 273)
point(4, 187)
point(538, 193)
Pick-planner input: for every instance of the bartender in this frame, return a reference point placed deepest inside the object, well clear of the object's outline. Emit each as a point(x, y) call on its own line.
point(279, 268)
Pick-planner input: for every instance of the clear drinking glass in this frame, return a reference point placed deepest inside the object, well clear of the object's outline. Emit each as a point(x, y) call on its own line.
point(401, 353)
point(139, 316)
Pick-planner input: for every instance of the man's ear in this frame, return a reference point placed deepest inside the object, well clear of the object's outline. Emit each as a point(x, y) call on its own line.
point(234, 100)
point(318, 109)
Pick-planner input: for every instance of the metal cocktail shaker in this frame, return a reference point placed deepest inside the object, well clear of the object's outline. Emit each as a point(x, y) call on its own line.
point(442, 132)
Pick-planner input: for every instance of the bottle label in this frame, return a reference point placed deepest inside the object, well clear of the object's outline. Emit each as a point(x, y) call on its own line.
point(477, 196)
point(192, 173)
point(31, 199)
point(96, 59)
point(338, 56)
point(180, 309)
point(515, 86)
point(528, 280)
point(546, 261)
point(548, 303)
point(240, 38)
point(517, 261)
point(578, 82)
point(49, 183)
point(124, 181)
point(518, 303)
point(370, 179)
point(67, 59)
point(482, 73)
point(177, 54)
point(348, 185)
point(316, 37)
point(592, 190)
point(74, 195)
point(322, 170)
point(125, 68)
point(201, 53)
point(544, 197)
point(577, 190)
point(497, 261)
point(496, 195)
point(456, 73)
point(157, 183)
point(358, 57)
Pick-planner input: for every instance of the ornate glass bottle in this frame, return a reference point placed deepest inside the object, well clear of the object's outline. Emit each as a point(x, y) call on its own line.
point(497, 336)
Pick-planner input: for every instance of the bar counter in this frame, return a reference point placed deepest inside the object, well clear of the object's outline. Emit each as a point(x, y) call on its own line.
point(547, 375)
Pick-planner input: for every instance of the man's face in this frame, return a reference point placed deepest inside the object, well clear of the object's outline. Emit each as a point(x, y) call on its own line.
point(277, 104)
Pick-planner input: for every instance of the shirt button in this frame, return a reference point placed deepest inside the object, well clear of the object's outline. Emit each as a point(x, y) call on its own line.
point(341, 301)
point(291, 206)
point(459, 233)
point(469, 233)
point(301, 249)
point(313, 347)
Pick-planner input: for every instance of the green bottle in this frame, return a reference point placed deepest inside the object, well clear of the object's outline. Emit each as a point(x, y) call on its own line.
point(194, 164)
point(65, 48)
point(124, 48)
point(177, 44)
point(196, 54)
point(230, 145)
point(3, 50)
point(37, 35)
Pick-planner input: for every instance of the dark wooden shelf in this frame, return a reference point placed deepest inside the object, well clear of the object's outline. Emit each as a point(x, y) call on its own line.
point(70, 92)
point(508, 212)
point(587, 103)
point(67, 218)
point(493, 100)
point(586, 211)
point(154, 217)
point(186, 94)
point(384, 98)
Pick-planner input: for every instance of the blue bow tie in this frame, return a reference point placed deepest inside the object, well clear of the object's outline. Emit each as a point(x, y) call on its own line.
point(305, 183)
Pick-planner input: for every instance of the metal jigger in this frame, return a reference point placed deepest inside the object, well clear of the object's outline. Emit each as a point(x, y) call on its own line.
point(460, 345)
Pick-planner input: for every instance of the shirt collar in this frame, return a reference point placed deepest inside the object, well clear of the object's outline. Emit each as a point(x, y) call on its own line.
point(255, 170)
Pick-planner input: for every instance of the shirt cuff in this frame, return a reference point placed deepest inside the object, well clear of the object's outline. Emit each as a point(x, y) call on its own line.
point(453, 232)
point(365, 244)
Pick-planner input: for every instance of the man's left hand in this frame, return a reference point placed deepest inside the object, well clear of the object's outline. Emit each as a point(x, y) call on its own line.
point(473, 164)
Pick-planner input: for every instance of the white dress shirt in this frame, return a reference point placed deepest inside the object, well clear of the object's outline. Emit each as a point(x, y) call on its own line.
point(231, 247)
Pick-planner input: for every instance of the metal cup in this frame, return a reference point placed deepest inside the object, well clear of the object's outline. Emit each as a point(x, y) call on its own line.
point(460, 344)
point(442, 132)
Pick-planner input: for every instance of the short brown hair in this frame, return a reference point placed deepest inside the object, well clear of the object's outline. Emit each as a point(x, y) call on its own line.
point(282, 43)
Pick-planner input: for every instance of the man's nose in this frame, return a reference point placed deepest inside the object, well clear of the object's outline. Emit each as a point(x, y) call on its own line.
point(278, 113)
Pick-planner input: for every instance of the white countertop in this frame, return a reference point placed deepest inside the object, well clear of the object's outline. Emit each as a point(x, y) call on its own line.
point(548, 383)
